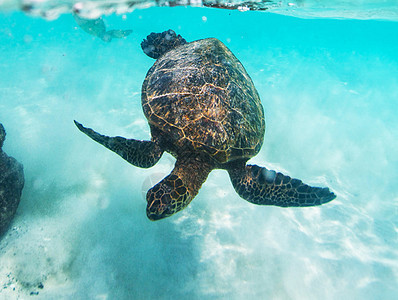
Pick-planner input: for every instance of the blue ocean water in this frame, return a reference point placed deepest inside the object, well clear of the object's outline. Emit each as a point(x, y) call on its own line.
point(329, 88)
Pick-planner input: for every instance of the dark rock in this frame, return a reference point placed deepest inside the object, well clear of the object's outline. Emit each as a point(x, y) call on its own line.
point(11, 184)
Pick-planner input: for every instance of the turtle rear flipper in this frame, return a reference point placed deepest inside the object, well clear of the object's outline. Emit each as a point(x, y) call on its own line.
point(177, 190)
point(142, 154)
point(156, 44)
point(265, 187)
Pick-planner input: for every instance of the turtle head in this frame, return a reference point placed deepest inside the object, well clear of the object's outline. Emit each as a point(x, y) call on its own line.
point(166, 198)
point(2, 135)
point(157, 44)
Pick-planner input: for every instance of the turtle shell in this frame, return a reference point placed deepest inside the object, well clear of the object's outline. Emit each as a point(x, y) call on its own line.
point(198, 97)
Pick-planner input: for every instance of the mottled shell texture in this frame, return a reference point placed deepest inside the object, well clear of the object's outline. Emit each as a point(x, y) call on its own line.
point(198, 96)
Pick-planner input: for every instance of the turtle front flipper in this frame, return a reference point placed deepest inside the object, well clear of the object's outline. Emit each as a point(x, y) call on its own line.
point(177, 190)
point(265, 187)
point(143, 154)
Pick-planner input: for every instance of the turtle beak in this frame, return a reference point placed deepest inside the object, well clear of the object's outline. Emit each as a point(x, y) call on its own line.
point(154, 216)
point(156, 213)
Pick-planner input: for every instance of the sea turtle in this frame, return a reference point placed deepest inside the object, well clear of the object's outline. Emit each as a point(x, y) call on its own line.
point(203, 108)
point(96, 27)
point(11, 184)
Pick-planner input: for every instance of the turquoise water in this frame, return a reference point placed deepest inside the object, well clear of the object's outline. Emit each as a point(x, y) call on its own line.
point(330, 93)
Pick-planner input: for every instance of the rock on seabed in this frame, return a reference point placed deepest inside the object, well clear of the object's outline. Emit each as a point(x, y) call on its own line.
point(11, 185)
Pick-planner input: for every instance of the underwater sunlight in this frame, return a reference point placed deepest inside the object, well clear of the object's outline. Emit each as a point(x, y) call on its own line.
point(327, 101)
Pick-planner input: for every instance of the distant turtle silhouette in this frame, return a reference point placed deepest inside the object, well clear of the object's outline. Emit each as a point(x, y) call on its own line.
point(96, 27)
point(11, 184)
point(203, 108)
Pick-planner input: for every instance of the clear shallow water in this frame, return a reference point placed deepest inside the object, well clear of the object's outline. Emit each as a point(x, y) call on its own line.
point(330, 92)
point(357, 9)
